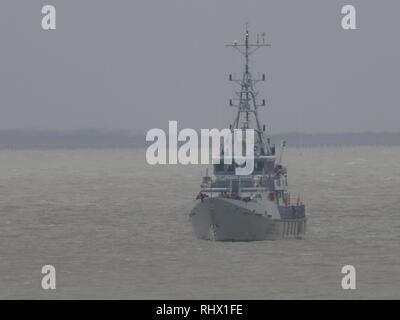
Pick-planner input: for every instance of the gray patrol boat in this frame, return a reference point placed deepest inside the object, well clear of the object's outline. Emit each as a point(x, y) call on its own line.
point(251, 207)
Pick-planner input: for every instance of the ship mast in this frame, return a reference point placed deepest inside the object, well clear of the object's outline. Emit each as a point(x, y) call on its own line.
point(246, 102)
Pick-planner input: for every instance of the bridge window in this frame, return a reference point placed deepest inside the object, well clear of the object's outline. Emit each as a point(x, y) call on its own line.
point(259, 166)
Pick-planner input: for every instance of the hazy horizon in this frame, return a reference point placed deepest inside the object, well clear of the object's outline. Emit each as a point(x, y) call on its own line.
point(103, 138)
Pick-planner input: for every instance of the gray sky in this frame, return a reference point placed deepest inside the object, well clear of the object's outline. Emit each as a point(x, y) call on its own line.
point(137, 64)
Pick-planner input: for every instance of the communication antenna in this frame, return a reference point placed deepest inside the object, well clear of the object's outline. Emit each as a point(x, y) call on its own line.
point(263, 36)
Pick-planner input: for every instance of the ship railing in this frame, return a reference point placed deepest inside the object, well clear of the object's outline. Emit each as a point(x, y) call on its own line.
point(215, 192)
point(280, 184)
point(253, 189)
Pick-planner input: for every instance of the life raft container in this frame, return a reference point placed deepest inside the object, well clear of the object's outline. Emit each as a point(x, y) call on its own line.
point(286, 201)
point(271, 196)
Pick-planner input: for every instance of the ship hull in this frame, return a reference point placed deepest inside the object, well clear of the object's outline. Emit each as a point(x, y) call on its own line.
point(221, 219)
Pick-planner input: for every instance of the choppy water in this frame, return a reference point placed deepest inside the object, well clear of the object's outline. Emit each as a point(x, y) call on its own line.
point(115, 227)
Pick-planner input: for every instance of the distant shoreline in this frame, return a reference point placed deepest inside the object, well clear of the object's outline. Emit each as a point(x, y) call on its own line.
point(96, 138)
